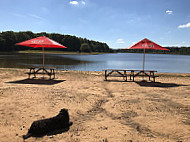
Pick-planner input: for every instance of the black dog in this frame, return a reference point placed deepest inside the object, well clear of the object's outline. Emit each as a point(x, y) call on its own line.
point(43, 127)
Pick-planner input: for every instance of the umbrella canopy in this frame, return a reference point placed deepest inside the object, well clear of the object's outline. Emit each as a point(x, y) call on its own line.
point(146, 44)
point(43, 42)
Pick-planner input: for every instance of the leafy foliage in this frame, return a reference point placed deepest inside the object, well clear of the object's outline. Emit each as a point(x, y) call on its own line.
point(85, 47)
point(8, 40)
point(73, 43)
point(173, 50)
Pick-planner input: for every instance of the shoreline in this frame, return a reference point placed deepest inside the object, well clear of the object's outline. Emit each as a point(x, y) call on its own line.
point(100, 110)
point(102, 72)
point(62, 52)
point(86, 53)
point(92, 53)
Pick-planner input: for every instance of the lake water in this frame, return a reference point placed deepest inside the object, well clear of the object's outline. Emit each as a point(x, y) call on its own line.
point(159, 62)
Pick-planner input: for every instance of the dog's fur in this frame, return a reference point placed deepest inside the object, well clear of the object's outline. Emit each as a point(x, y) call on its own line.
point(45, 126)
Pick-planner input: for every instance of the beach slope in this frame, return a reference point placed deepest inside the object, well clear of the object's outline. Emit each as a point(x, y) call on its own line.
point(101, 111)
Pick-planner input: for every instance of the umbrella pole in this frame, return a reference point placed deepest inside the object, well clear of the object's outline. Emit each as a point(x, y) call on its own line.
point(43, 59)
point(143, 62)
point(144, 59)
point(43, 55)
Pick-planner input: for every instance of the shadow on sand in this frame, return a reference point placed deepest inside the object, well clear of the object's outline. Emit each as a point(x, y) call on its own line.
point(145, 83)
point(36, 81)
point(113, 80)
point(60, 131)
point(158, 84)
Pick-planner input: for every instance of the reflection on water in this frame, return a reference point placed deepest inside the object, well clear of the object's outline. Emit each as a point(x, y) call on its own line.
point(159, 62)
point(25, 60)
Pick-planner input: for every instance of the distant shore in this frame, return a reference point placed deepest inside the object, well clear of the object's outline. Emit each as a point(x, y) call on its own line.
point(93, 53)
point(61, 52)
point(112, 110)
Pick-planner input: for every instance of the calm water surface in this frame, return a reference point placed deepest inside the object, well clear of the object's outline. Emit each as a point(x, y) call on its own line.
point(159, 62)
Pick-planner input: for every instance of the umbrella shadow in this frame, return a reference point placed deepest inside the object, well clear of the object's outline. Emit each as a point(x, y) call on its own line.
point(37, 81)
point(158, 84)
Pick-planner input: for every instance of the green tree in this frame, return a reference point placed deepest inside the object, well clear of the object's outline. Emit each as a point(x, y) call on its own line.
point(2, 43)
point(85, 47)
point(10, 39)
point(73, 43)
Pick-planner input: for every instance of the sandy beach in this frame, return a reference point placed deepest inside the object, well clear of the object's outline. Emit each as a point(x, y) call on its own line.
point(101, 111)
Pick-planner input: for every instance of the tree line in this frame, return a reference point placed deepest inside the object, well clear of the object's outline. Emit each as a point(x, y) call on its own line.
point(172, 50)
point(73, 43)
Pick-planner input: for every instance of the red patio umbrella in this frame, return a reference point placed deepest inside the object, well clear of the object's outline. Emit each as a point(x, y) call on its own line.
point(146, 44)
point(43, 42)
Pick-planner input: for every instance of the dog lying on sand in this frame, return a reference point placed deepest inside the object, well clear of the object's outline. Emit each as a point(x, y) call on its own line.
point(45, 126)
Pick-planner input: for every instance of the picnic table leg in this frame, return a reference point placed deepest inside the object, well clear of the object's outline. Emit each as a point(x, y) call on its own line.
point(53, 73)
point(30, 73)
point(50, 74)
point(149, 76)
point(34, 75)
point(125, 76)
point(133, 75)
point(106, 75)
point(130, 75)
point(32, 70)
point(153, 76)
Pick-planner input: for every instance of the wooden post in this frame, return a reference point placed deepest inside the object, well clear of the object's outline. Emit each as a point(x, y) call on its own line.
point(43, 59)
point(144, 59)
point(125, 75)
point(43, 55)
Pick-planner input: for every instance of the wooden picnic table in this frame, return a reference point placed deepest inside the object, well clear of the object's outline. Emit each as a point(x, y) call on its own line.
point(45, 71)
point(131, 73)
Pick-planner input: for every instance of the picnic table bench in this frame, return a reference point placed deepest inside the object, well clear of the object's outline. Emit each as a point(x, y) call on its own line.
point(120, 73)
point(131, 73)
point(34, 71)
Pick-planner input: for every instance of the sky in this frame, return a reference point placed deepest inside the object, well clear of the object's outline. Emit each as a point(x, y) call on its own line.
point(119, 23)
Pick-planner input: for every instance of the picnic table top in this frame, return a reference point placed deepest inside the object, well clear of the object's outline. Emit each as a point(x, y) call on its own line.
point(135, 70)
point(41, 68)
